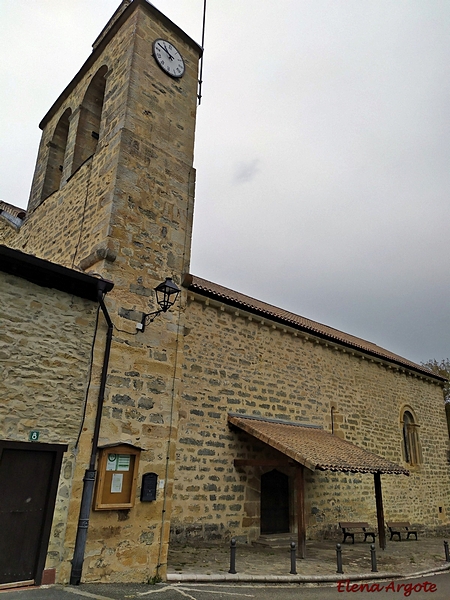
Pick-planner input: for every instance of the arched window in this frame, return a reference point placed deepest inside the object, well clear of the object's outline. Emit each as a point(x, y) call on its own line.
point(57, 151)
point(89, 120)
point(411, 442)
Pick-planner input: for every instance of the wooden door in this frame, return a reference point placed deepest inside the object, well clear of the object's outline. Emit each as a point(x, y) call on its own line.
point(274, 503)
point(28, 483)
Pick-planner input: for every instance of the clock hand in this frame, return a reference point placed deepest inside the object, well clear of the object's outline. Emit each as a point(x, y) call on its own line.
point(163, 48)
point(166, 51)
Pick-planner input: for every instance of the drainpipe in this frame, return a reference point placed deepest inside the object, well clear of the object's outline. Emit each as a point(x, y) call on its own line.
point(90, 473)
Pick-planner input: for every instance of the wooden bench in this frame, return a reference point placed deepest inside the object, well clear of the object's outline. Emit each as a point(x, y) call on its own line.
point(349, 530)
point(397, 528)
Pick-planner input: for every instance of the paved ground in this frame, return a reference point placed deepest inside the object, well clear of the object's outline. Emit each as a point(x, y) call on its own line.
point(203, 572)
point(435, 587)
point(212, 561)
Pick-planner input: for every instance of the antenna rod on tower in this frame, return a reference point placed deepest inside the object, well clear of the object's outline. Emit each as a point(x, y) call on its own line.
point(200, 81)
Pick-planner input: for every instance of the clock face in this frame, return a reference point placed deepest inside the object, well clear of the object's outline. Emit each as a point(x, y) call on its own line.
point(168, 58)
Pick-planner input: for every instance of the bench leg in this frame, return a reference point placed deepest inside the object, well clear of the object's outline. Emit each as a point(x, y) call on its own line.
point(350, 535)
point(411, 533)
point(396, 533)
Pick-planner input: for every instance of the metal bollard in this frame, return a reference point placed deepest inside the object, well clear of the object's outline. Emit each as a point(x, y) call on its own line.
point(232, 556)
point(293, 570)
point(373, 557)
point(447, 554)
point(339, 558)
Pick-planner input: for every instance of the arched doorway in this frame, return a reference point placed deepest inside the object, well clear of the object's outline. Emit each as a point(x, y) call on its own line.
point(274, 503)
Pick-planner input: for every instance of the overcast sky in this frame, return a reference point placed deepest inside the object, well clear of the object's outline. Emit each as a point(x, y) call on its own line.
point(322, 150)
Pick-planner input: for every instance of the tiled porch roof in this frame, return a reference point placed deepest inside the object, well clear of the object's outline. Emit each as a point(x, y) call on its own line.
point(313, 447)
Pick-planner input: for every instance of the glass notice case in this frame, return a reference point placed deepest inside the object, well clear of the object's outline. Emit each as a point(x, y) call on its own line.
point(116, 477)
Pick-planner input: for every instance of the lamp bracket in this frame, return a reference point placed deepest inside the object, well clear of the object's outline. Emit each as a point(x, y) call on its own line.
point(148, 318)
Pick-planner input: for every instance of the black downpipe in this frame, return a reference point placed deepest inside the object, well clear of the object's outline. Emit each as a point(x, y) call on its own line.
point(90, 473)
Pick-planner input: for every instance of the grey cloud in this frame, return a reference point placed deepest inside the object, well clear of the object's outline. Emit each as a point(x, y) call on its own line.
point(246, 171)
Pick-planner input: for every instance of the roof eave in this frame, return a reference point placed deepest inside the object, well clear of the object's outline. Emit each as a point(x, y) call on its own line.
point(47, 274)
point(191, 286)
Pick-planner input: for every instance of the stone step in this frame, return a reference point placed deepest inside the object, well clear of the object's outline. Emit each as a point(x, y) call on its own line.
point(276, 540)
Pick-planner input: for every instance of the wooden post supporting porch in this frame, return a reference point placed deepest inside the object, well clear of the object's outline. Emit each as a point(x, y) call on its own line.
point(301, 521)
point(380, 512)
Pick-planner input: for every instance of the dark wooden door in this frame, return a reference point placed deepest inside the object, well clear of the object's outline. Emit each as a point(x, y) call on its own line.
point(27, 497)
point(274, 502)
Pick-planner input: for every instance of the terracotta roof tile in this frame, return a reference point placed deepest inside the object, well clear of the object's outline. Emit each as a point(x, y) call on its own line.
point(236, 299)
point(15, 211)
point(313, 447)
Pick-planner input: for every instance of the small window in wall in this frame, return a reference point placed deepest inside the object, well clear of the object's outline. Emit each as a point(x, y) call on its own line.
point(411, 442)
point(57, 151)
point(89, 120)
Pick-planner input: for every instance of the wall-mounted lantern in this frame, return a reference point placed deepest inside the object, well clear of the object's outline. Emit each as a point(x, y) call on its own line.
point(166, 296)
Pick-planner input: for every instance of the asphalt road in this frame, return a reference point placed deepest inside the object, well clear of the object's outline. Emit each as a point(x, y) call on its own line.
point(435, 587)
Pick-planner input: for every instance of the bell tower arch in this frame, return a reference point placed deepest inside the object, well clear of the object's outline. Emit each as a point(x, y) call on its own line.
point(88, 131)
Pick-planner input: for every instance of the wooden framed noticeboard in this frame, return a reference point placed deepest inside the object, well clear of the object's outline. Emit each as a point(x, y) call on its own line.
point(117, 477)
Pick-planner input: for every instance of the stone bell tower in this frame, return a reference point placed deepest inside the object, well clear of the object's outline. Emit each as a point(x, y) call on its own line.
point(114, 171)
point(113, 195)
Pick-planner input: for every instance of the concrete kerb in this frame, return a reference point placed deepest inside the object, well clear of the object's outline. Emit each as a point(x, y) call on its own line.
point(203, 578)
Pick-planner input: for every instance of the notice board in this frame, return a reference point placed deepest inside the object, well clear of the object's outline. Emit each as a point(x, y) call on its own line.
point(117, 478)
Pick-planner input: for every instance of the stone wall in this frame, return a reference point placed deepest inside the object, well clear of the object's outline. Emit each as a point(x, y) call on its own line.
point(8, 231)
point(46, 338)
point(234, 363)
point(126, 214)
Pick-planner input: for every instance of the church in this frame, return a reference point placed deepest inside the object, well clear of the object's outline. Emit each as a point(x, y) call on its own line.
point(151, 405)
